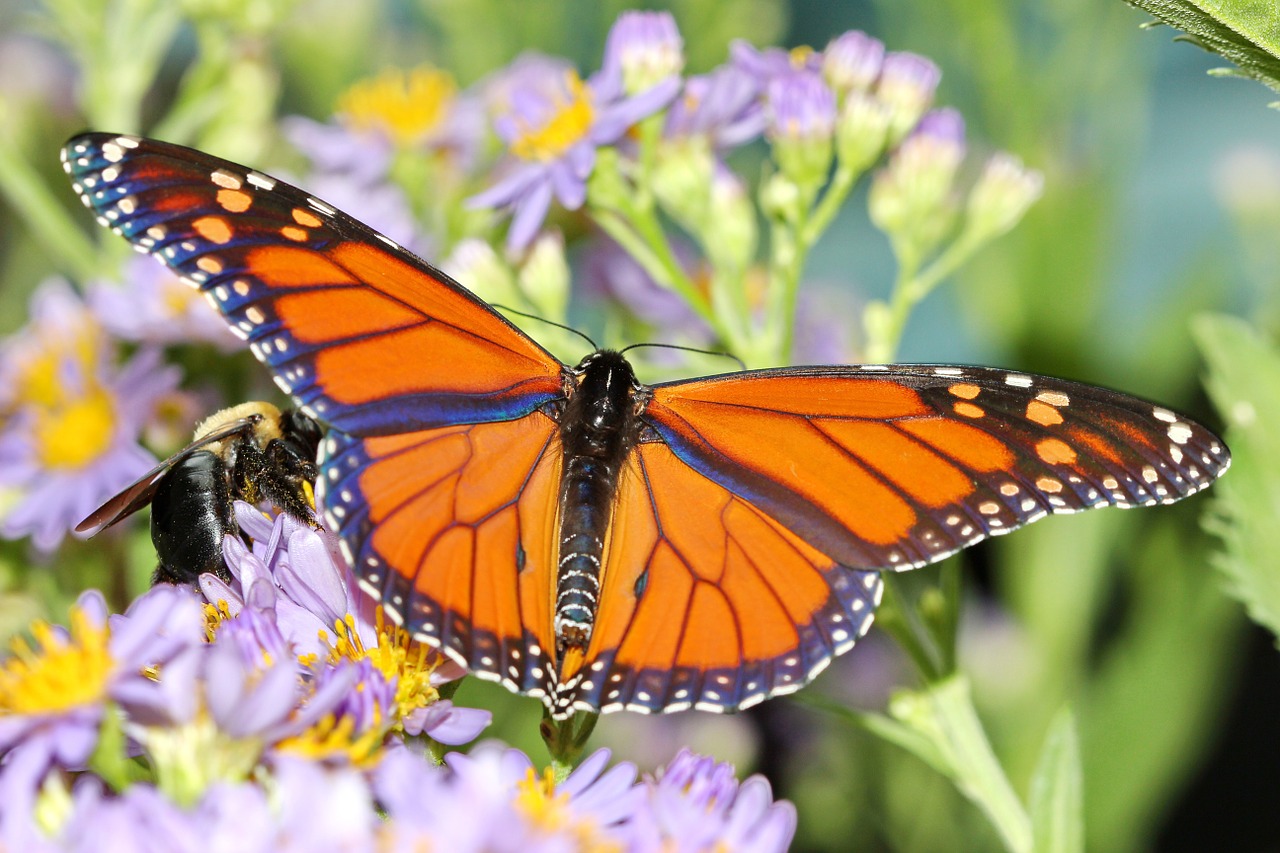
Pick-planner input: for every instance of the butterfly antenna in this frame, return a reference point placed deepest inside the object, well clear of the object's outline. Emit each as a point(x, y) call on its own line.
point(529, 316)
point(742, 364)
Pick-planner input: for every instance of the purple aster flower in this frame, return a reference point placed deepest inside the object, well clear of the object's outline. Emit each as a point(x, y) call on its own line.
point(418, 108)
point(296, 578)
point(722, 106)
point(695, 803)
point(153, 306)
point(337, 148)
point(53, 694)
point(552, 123)
point(799, 107)
point(644, 49)
point(592, 806)
point(70, 419)
point(852, 61)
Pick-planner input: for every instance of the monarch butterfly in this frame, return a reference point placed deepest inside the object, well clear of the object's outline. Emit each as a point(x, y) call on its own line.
point(584, 538)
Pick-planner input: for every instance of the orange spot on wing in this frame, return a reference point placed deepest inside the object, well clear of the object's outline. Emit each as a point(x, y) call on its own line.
point(209, 264)
point(234, 201)
point(1043, 414)
point(213, 228)
point(1049, 484)
point(297, 235)
point(1055, 452)
point(968, 410)
point(306, 217)
point(964, 390)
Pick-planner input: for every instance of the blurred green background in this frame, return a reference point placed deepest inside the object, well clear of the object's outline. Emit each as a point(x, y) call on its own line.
point(1162, 197)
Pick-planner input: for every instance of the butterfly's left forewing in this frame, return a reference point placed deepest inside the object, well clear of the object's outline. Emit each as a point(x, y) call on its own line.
point(366, 337)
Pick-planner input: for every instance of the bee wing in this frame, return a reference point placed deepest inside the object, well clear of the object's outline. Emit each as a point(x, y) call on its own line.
point(140, 492)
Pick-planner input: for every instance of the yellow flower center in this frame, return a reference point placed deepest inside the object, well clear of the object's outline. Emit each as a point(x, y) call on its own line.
point(407, 105)
point(72, 435)
point(570, 120)
point(548, 810)
point(61, 672)
point(396, 656)
point(41, 379)
point(536, 796)
point(333, 735)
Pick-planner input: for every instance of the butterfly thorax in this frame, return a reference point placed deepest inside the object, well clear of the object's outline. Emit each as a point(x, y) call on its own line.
point(597, 430)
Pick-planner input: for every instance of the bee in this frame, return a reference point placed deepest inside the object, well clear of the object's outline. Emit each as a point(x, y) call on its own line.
point(253, 452)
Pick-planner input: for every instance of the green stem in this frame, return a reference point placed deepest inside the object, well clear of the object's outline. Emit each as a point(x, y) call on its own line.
point(902, 620)
point(913, 285)
point(46, 219)
point(832, 200)
point(566, 740)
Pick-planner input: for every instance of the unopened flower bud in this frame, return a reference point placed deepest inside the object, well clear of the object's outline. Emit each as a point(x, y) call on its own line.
point(730, 231)
point(544, 278)
point(800, 119)
point(852, 62)
point(646, 48)
point(477, 266)
point(862, 130)
point(907, 83)
point(1002, 195)
point(911, 198)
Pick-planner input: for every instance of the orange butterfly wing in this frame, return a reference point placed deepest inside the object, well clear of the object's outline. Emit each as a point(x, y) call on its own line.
point(898, 467)
point(707, 602)
point(453, 529)
point(366, 337)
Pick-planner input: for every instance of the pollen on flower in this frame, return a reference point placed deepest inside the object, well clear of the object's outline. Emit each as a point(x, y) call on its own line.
point(214, 616)
point(60, 672)
point(536, 796)
point(336, 735)
point(397, 656)
point(408, 105)
point(552, 812)
point(570, 120)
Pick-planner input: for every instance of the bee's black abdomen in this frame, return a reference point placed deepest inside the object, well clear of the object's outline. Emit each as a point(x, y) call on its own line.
point(190, 515)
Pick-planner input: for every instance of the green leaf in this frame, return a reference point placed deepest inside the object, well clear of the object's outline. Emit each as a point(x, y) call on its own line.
point(1057, 800)
point(1244, 383)
point(958, 746)
point(1247, 32)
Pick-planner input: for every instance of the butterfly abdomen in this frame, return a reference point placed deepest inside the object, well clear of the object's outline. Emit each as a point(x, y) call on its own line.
point(597, 431)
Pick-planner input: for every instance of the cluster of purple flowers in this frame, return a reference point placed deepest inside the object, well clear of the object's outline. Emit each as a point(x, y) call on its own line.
point(281, 699)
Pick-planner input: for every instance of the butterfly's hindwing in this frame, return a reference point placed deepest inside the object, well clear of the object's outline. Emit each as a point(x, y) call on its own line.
point(453, 531)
